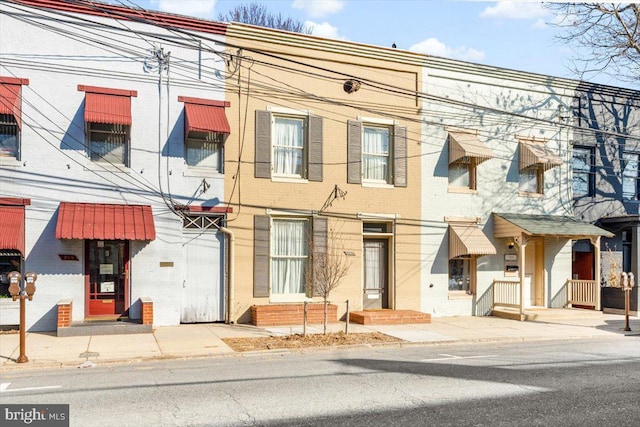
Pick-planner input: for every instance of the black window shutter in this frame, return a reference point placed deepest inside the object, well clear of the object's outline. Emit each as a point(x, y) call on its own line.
point(261, 249)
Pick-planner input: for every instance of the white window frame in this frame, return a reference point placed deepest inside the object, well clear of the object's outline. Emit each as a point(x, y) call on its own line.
point(303, 150)
point(215, 138)
point(7, 125)
point(117, 130)
point(288, 297)
point(631, 177)
point(388, 156)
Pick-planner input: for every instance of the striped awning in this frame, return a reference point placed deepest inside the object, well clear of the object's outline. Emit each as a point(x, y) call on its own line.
point(10, 101)
point(467, 145)
point(105, 222)
point(535, 153)
point(111, 109)
point(466, 239)
point(205, 118)
point(12, 228)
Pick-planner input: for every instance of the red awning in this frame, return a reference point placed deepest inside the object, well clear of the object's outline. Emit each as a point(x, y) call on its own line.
point(12, 228)
point(205, 118)
point(105, 222)
point(10, 101)
point(104, 108)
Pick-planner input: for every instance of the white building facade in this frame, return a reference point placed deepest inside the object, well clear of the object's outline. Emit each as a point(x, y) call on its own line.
point(496, 195)
point(112, 161)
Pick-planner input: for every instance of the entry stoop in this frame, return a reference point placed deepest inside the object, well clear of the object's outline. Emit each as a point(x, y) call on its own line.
point(388, 317)
point(104, 327)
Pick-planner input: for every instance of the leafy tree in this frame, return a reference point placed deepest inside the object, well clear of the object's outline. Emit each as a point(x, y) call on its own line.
point(258, 14)
point(607, 34)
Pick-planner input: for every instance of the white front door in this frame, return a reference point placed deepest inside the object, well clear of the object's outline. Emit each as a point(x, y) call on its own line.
point(203, 286)
point(529, 286)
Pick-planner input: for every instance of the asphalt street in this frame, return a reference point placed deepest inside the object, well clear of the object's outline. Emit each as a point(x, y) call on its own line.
point(575, 382)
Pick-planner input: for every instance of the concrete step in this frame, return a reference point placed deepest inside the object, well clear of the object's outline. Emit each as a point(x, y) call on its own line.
point(546, 314)
point(78, 329)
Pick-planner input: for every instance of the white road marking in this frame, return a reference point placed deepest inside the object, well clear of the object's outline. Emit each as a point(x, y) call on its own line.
point(5, 386)
point(453, 357)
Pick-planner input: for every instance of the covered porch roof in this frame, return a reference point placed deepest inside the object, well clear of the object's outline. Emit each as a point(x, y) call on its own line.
point(510, 224)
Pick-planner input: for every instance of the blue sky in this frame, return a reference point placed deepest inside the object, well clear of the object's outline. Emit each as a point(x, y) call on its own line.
point(509, 34)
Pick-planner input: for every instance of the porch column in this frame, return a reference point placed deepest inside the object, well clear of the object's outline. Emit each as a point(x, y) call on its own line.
point(595, 241)
point(520, 241)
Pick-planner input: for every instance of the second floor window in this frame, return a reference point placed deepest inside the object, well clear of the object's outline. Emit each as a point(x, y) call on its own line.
point(204, 149)
point(289, 147)
point(630, 177)
point(583, 166)
point(8, 136)
point(108, 143)
point(376, 156)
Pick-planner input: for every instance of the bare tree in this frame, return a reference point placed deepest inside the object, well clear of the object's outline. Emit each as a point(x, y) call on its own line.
point(607, 35)
point(328, 265)
point(258, 14)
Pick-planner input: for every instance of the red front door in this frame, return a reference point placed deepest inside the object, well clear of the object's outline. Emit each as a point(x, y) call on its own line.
point(107, 281)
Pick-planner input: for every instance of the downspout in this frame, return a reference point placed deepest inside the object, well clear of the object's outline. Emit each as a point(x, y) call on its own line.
point(230, 278)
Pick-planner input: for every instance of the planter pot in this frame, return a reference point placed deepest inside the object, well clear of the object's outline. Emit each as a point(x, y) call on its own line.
point(9, 311)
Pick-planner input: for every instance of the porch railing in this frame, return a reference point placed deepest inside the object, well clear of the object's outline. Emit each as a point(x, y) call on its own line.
point(582, 292)
point(506, 293)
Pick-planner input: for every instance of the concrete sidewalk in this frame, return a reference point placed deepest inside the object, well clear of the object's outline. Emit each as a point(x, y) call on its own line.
point(46, 350)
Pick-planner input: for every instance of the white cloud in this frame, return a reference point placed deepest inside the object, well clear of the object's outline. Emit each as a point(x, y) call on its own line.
point(200, 8)
point(515, 10)
point(325, 30)
point(319, 8)
point(433, 46)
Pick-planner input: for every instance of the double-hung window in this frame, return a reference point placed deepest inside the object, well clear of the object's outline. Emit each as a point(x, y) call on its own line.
point(10, 116)
point(288, 145)
point(107, 116)
point(289, 255)
point(284, 246)
point(376, 153)
point(583, 167)
point(630, 177)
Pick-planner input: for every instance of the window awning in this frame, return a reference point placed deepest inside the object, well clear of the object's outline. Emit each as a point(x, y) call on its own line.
point(468, 239)
point(103, 108)
point(536, 153)
point(205, 118)
point(10, 101)
point(105, 222)
point(12, 228)
point(509, 224)
point(467, 144)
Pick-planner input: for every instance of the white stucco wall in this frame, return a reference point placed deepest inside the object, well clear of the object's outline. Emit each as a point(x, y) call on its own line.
point(54, 166)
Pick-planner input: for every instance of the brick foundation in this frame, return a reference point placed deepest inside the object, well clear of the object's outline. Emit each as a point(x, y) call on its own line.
point(388, 317)
point(291, 314)
point(65, 310)
point(147, 311)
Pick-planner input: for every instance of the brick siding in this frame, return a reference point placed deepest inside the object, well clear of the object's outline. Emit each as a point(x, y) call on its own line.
point(65, 308)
